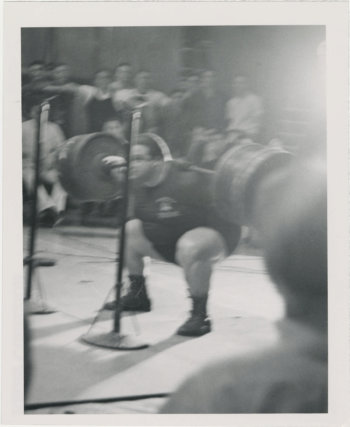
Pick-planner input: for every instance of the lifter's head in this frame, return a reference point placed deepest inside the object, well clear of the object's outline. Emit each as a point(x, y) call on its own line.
point(147, 160)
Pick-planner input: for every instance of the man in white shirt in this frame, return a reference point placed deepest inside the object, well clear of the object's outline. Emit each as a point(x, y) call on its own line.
point(122, 78)
point(244, 111)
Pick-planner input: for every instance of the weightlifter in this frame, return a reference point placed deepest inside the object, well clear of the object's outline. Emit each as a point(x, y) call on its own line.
point(174, 220)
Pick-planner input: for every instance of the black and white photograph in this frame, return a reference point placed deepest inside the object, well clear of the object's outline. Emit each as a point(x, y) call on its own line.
point(173, 184)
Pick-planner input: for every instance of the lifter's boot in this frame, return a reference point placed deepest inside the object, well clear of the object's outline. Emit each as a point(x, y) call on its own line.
point(136, 298)
point(198, 323)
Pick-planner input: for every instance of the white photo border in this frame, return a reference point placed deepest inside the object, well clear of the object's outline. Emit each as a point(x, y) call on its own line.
point(334, 15)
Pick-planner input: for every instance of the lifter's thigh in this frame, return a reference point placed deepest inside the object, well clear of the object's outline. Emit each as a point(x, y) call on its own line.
point(200, 244)
point(137, 242)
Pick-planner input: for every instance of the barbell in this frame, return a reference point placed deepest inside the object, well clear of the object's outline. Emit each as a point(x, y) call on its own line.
point(235, 177)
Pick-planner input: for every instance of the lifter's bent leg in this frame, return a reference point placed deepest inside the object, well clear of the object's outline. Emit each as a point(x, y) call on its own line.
point(137, 248)
point(197, 251)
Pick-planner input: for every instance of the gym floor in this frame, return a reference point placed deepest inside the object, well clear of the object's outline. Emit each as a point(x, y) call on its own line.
point(243, 307)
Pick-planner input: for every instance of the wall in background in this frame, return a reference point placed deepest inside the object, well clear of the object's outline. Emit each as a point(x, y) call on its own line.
point(281, 61)
point(88, 49)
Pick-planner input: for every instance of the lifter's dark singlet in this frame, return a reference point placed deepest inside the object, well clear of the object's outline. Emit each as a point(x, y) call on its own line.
point(181, 202)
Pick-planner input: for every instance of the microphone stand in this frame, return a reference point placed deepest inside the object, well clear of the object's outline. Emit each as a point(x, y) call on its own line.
point(114, 339)
point(31, 261)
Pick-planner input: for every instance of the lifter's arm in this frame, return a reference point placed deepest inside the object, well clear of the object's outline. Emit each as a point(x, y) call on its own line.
point(115, 166)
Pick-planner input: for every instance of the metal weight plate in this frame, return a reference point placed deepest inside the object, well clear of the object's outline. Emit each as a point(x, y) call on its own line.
point(238, 174)
point(81, 170)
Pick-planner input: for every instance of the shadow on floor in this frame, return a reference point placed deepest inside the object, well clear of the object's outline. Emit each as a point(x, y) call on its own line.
point(65, 372)
point(46, 331)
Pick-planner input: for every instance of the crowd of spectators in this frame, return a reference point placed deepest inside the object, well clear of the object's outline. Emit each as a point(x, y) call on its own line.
point(195, 103)
point(196, 119)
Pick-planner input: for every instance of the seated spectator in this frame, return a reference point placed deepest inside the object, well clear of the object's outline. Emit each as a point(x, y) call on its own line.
point(291, 376)
point(143, 96)
point(51, 196)
point(243, 112)
point(206, 105)
point(122, 78)
point(100, 104)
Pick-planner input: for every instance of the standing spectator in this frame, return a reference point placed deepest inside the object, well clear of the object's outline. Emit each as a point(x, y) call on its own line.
point(68, 109)
point(123, 77)
point(100, 105)
point(65, 90)
point(115, 127)
point(150, 101)
point(206, 147)
point(206, 117)
point(207, 104)
point(189, 84)
point(243, 111)
point(51, 196)
point(174, 124)
point(34, 83)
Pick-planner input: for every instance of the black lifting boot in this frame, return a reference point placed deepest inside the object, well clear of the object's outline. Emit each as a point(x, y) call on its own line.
point(198, 323)
point(136, 299)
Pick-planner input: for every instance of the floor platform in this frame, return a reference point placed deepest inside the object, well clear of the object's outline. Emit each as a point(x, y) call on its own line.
point(243, 306)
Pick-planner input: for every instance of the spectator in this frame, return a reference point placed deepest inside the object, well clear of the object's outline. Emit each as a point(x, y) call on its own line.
point(189, 84)
point(206, 147)
point(68, 108)
point(51, 196)
point(123, 78)
point(35, 81)
point(100, 105)
point(150, 101)
point(174, 124)
point(243, 111)
point(206, 104)
point(114, 126)
point(64, 89)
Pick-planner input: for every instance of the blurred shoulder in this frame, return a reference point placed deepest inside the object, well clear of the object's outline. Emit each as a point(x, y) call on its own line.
point(278, 380)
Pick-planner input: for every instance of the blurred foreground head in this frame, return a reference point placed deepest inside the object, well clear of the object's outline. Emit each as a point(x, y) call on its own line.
point(293, 223)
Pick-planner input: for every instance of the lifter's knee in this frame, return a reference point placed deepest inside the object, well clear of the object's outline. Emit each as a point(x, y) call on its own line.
point(133, 228)
point(200, 245)
point(137, 243)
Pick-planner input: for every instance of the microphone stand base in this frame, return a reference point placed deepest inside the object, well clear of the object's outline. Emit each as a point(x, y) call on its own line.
point(37, 307)
point(115, 341)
